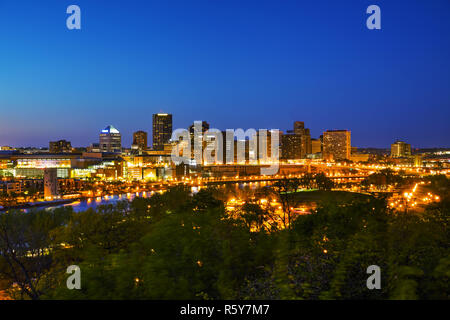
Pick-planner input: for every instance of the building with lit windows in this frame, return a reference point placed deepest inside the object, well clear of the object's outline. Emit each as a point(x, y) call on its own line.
point(162, 130)
point(291, 146)
point(400, 149)
point(110, 140)
point(60, 146)
point(337, 145)
point(140, 140)
point(316, 146)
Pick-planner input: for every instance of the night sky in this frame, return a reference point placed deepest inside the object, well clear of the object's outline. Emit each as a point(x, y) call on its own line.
point(236, 64)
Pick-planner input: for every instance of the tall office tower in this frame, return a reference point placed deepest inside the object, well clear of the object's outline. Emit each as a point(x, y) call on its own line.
point(264, 148)
point(303, 138)
point(196, 131)
point(291, 146)
point(50, 183)
point(316, 146)
point(336, 145)
point(162, 130)
point(110, 140)
point(228, 147)
point(299, 127)
point(400, 149)
point(306, 143)
point(140, 140)
point(60, 146)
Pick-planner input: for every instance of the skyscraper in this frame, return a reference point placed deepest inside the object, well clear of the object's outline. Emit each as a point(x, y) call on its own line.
point(162, 130)
point(400, 149)
point(336, 145)
point(316, 146)
point(296, 144)
point(110, 140)
point(196, 131)
point(291, 146)
point(140, 140)
point(299, 127)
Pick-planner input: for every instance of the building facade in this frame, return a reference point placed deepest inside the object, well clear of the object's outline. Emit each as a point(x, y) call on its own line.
point(110, 140)
point(337, 145)
point(316, 146)
point(50, 183)
point(140, 140)
point(291, 146)
point(400, 149)
point(60, 146)
point(162, 130)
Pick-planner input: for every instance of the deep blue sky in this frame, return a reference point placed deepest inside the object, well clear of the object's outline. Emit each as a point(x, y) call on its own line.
point(236, 64)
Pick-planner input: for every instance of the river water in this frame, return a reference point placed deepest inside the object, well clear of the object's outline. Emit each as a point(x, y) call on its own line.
point(93, 203)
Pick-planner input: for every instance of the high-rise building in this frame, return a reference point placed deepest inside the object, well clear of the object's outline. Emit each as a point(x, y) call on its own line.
point(60, 146)
point(196, 131)
point(306, 143)
point(265, 143)
point(296, 144)
point(110, 140)
point(316, 146)
point(336, 144)
point(400, 149)
point(50, 182)
point(299, 127)
point(140, 140)
point(291, 145)
point(162, 130)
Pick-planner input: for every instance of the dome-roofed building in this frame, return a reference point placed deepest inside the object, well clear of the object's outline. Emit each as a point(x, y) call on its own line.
point(110, 140)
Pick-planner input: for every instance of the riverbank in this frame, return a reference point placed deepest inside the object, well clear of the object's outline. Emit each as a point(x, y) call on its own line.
point(30, 205)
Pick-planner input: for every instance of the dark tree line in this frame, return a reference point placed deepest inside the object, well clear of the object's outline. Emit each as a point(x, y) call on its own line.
point(181, 246)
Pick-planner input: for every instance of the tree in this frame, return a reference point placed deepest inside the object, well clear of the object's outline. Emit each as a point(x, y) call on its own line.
point(285, 190)
point(25, 249)
point(323, 182)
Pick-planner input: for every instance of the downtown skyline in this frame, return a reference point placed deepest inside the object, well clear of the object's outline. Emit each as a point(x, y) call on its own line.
point(233, 68)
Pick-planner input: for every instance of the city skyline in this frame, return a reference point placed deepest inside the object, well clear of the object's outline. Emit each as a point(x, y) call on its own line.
point(129, 144)
point(233, 68)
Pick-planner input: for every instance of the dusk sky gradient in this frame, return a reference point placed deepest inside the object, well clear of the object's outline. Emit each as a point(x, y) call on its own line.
point(236, 64)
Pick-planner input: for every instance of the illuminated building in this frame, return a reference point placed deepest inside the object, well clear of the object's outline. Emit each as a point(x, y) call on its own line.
point(316, 146)
point(299, 127)
point(400, 149)
point(50, 183)
point(60, 146)
point(110, 140)
point(360, 157)
point(418, 161)
point(196, 131)
point(291, 145)
point(296, 144)
point(266, 156)
point(162, 130)
point(336, 144)
point(94, 148)
point(140, 140)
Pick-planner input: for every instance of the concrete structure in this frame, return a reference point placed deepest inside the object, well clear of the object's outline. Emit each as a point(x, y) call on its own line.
point(50, 183)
